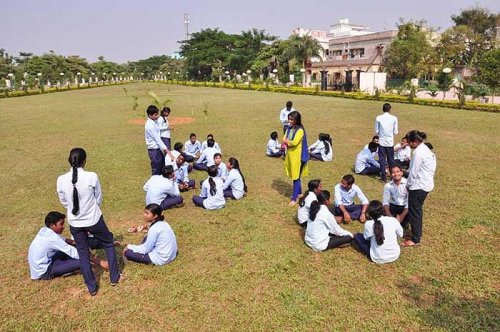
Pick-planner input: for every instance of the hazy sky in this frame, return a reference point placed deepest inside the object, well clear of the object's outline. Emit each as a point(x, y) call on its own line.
point(127, 30)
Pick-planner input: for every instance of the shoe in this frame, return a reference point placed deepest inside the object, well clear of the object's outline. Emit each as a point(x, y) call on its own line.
point(118, 281)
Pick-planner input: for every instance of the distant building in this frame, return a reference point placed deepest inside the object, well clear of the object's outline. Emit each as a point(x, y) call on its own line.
point(319, 35)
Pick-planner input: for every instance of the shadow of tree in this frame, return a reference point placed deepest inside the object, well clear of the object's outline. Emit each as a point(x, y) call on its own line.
point(284, 188)
point(445, 311)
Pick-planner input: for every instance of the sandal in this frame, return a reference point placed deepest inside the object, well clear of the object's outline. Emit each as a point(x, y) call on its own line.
point(132, 229)
point(409, 243)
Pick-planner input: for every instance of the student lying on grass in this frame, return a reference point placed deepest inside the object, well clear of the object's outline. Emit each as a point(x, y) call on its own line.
point(159, 246)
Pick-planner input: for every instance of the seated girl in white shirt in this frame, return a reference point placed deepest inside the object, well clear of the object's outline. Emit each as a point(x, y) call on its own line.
point(159, 246)
point(234, 186)
point(314, 187)
point(212, 195)
point(322, 149)
point(163, 189)
point(274, 146)
point(322, 230)
point(379, 240)
point(222, 170)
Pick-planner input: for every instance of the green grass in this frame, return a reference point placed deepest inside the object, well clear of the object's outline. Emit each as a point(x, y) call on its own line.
point(246, 267)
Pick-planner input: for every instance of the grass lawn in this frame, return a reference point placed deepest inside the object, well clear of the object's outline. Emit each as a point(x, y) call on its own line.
point(246, 267)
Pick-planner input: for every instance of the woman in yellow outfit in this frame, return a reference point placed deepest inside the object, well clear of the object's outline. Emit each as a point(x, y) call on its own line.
point(296, 153)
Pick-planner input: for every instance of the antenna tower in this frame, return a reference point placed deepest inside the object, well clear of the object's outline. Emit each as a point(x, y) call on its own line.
point(186, 25)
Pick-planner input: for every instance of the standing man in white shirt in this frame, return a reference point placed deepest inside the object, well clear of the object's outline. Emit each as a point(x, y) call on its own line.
point(420, 182)
point(155, 145)
point(284, 115)
point(386, 126)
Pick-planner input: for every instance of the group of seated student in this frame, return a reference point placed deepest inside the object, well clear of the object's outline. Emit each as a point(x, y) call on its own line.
point(206, 157)
point(321, 219)
point(322, 149)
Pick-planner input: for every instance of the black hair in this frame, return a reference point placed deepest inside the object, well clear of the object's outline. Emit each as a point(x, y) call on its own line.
point(397, 166)
point(77, 158)
point(296, 117)
point(348, 178)
point(192, 135)
point(375, 137)
point(217, 154)
point(210, 142)
point(210, 135)
point(289, 104)
point(236, 165)
point(274, 135)
point(181, 155)
point(429, 145)
point(375, 211)
point(165, 110)
point(372, 146)
point(386, 107)
point(415, 135)
point(53, 217)
point(321, 199)
point(326, 139)
point(311, 186)
point(152, 109)
point(156, 210)
point(178, 146)
point(167, 171)
point(212, 172)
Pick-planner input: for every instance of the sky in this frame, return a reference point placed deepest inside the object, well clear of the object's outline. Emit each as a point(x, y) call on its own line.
point(129, 30)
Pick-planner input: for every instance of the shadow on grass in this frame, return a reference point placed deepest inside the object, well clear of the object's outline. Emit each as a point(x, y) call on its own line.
point(284, 188)
point(445, 311)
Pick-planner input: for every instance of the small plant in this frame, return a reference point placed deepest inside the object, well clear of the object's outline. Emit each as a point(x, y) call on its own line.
point(156, 100)
point(413, 94)
point(135, 100)
point(433, 91)
point(205, 110)
point(377, 94)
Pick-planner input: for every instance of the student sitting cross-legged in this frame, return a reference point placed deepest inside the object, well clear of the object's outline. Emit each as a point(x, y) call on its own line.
point(50, 255)
point(182, 174)
point(192, 148)
point(365, 163)
point(379, 240)
point(314, 187)
point(322, 149)
point(163, 190)
point(322, 230)
point(345, 209)
point(234, 186)
point(395, 196)
point(159, 246)
point(207, 157)
point(212, 195)
point(274, 146)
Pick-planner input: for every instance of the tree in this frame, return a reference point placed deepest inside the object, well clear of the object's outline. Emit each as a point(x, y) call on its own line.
point(302, 49)
point(410, 54)
point(488, 71)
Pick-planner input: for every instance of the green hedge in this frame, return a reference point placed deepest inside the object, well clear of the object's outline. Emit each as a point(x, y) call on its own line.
point(470, 105)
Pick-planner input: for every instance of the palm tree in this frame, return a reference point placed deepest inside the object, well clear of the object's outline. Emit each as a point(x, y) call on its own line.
point(303, 48)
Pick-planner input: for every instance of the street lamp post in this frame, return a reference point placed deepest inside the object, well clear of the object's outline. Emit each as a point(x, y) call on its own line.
point(10, 80)
point(446, 71)
point(302, 72)
point(40, 84)
point(78, 80)
point(249, 78)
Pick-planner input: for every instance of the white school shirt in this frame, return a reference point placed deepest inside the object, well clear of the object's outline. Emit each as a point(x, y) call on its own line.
point(164, 127)
point(181, 173)
point(273, 146)
point(207, 156)
point(303, 211)
point(318, 231)
point(222, 171)
point(284, 115)
point(43, 247)
point(386, 126)
point(320, 147)
point(191, 149)
point(152, 135)
point(216, 201)
point(422, 169)
point(169, 161)
point(364, 159)
point(389, 250)
point(157, 188)
point(204, 146)
point(160, 244)
point(89, 194)
point(395, 194)
point(402, 154)
point(235, 182)
point(343, 197)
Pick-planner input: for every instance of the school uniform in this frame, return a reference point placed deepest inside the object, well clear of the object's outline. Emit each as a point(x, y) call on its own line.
point(396, 197)
point(169, 161)
point(402, 156)
point(158, 248)
point(222, 171)
point(273, 148)
point(365, 163)
point(346, 198)
point(303, 211)
point(165, 130)
point(420, 182)
point(49, 255)
point(388, 251)
point(234, 187)
point(181, 175)
point(206, 159)
point(386, 126)
point(284, 117)
point(162, 191)
point(206, 199)
point(318, 151)
point(324, 233)
point(155, 146)
point(191, 150)
point(88, 220)
point(204, 145)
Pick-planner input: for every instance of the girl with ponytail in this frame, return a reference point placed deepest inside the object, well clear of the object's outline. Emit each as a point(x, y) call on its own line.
point(379, 240)
point(314, 188)
point(79, 192)
point(322, 230)
point(234, 186)
point(212, 195)
point(322, 149)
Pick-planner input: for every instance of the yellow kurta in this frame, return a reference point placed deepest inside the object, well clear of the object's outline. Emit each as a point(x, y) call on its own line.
point(293, 154)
